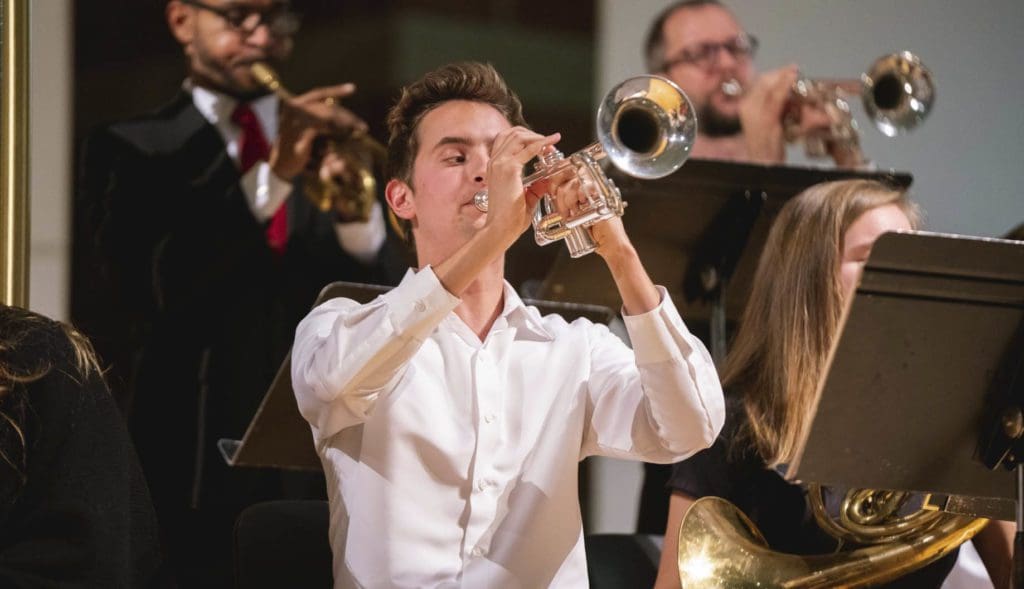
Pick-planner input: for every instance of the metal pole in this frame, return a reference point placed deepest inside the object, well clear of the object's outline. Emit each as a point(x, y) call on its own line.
point(14, 198)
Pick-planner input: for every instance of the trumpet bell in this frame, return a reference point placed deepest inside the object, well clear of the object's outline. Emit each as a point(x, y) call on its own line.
point(898, 93)
point(646, 127)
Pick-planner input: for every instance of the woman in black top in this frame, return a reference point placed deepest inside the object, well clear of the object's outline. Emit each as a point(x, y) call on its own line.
point(74, 509)
point(811, 263)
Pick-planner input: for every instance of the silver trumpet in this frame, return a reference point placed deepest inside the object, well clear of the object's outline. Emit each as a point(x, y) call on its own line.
point(645, 127)
point(897, 92)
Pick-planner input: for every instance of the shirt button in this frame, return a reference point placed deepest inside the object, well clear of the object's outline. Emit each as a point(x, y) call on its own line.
point(421, 306)
point(481, 485)
point(478, 551)
point(490, 417)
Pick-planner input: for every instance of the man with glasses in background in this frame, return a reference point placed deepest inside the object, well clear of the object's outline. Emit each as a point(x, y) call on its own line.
point(208, 256)
point(700, 46)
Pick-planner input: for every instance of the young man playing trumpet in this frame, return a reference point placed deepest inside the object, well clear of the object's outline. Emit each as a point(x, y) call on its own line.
point(449, 416)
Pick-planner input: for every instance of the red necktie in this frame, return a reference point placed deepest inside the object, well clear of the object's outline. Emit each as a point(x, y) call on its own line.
point(253, 147)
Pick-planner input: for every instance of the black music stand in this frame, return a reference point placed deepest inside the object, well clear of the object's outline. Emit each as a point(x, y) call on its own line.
point(910, 384)
point(700, 232)
point(279, 437)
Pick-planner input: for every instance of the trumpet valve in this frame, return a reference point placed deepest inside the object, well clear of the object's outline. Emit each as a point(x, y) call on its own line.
point(732, 87)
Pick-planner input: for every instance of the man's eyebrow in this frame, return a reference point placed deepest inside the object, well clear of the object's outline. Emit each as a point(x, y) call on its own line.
point(453, 141)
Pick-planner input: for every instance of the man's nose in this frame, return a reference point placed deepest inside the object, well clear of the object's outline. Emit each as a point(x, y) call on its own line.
point(261, 36)
point(724, 59)
point(479, 169)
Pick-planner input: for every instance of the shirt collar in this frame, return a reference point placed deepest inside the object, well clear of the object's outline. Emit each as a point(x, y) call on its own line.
point(516, 313)
point(522, 317)
point(216, 107)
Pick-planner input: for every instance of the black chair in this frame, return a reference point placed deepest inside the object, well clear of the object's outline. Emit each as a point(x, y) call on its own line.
point(622, 561)
point(283, 544)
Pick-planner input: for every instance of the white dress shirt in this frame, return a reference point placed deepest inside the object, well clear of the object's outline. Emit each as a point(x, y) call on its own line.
point(452, 462)
point(264, 191)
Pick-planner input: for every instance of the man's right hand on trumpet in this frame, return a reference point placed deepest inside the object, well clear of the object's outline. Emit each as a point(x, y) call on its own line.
point(772, 115)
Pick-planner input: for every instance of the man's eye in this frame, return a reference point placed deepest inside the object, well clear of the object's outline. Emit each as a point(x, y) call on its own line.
point(456, 159)
point(236, 17)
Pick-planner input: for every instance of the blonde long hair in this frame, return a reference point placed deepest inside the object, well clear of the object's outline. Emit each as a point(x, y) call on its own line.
point(19, 327)
point(793, 313)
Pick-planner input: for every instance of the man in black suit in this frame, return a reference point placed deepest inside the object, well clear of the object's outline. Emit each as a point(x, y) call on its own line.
point(206, 259)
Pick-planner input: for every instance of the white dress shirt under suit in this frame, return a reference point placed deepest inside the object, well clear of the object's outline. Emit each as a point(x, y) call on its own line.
point(452, 462)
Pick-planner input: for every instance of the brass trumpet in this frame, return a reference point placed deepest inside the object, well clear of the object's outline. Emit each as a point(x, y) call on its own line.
point(353, 195)
point(897, 92)
point(646, 127)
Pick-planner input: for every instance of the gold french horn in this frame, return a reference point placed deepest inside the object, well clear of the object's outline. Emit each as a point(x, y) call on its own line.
point(719, 547)
point(353, 195)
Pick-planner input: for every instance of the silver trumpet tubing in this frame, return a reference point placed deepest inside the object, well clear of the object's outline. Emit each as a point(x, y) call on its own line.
point(897, 92)
point(645, 126)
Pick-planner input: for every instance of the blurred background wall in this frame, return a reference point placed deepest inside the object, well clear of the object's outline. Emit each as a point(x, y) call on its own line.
point(97, 61)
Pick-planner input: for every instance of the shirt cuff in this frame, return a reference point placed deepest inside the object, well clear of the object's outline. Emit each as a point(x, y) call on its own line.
point(362, 241)
point(264, 191)
point(657, 334)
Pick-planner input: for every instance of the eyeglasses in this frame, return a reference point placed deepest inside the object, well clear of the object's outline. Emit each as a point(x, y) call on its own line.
point(705, 55)
point(278, 17)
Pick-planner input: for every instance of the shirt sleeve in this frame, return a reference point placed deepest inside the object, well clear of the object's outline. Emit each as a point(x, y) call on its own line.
point(660, 403)
point(264, 191)
point(347, 355)
point(362, 241)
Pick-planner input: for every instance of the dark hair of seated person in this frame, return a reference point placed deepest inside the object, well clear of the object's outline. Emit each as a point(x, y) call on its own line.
point(74, 508)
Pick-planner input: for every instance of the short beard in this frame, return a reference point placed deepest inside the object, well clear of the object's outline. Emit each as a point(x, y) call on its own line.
point(713, 123)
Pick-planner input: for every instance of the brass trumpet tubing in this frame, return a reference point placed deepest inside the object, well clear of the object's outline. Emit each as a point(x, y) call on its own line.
point(897, 92)
point(352, 197)
point(551, 165)
point(645, 127)
point(603, 202)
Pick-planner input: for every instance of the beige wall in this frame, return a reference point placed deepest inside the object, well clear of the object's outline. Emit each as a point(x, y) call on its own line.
point(50, 132)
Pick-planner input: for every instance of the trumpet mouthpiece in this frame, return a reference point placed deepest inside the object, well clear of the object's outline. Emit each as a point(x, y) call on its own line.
point(267, 78)
point(732, 88)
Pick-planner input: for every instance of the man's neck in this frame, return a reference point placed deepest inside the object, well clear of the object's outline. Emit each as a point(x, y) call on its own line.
point(482, 303)
point(483, 297)
point(203, 82)
point(729, 148)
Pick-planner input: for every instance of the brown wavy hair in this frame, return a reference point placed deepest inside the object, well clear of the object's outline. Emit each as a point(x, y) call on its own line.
point(472, 81)
point(793, 312)
point(17, 328)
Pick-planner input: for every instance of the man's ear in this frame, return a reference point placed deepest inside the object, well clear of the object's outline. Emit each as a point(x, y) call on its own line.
point(181, 22)
point(400, 199)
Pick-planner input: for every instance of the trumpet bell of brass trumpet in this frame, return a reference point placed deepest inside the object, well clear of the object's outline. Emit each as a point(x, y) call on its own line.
point(898, 93)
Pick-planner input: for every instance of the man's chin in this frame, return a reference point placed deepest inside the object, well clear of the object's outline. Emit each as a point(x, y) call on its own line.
point(716, 123)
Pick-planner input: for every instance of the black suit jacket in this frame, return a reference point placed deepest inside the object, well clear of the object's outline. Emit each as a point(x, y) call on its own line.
point(177, 286)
